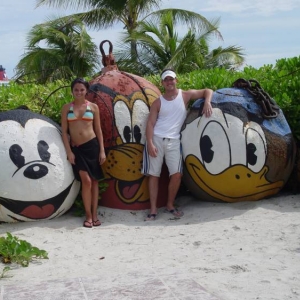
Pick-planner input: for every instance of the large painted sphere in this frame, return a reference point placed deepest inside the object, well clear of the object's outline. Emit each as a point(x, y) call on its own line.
point(124, 101)
point(36, 179)
point(236, 154)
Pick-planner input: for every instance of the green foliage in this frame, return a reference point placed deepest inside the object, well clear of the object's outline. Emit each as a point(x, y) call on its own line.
point(281, 82)
point(136, 15)
point(45, 99)
point(216, 78)
point(14, 250)
point(158, 46)
point(68, 52)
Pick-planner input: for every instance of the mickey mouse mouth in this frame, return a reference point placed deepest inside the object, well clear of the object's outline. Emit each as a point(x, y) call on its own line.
point(36, 210)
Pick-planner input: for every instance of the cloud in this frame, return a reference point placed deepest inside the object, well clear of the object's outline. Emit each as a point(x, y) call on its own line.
point(234, 7)
point(266, 29)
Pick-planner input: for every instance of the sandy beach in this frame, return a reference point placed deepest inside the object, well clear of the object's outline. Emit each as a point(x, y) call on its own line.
point(245, 250)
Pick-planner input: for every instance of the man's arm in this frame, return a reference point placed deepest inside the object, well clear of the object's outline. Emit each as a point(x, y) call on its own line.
point(197, 94)
point(154, 109)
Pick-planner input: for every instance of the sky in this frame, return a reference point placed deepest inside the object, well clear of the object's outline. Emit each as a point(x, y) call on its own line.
point(267, 30)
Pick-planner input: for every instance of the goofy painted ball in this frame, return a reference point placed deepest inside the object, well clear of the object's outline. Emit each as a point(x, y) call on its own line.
point(36, 179)
point(124, 102)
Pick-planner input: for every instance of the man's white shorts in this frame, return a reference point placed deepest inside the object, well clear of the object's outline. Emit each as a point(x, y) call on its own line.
point(168, 149)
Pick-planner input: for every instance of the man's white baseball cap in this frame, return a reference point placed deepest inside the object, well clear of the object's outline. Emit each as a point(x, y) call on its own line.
point(168, 73)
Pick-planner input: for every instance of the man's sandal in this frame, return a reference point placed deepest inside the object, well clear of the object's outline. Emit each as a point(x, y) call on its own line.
point(151, 217)
point(175, 212)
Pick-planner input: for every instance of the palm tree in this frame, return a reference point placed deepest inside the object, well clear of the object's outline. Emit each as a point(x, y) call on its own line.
point(69, 52)
point(102, 14)
point(159, 46)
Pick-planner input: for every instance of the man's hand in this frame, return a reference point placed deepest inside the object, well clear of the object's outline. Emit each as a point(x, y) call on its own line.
point(207, 109)
point(152, 150)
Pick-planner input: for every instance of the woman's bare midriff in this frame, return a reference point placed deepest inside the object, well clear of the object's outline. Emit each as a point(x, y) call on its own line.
point(81, 132)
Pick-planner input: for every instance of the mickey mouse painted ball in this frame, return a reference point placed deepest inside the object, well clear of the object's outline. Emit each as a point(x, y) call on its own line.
point(36, 179)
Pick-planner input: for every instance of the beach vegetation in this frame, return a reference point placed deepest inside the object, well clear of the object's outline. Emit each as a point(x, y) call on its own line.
point(160, 46)
point(281, 81)
point(57, 49)
point(15, 250)
point(102, 14)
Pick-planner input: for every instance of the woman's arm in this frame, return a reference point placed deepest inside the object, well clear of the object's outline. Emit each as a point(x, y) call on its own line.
point(65, 135)
point(98, 132)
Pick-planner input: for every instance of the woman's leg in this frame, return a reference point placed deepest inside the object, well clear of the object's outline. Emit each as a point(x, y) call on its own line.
point(95, 199)
point(86, 193)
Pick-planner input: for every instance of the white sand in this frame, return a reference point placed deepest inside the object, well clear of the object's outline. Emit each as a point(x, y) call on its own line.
point(246, 250)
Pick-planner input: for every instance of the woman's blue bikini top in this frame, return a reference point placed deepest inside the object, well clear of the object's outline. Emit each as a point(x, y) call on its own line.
point(87, 116)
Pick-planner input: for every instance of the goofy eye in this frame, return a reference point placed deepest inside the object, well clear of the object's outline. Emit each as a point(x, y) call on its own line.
point(123, 121)
point(15, 154)
point(43, 147)
point(137, 133)
point(256, 150)
point(215, 148)
point(127, 134)
point(140, 112)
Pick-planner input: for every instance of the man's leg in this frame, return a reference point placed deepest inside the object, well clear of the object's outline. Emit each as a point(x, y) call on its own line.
point(173, 188)
point(174, 163)
point(153, 192)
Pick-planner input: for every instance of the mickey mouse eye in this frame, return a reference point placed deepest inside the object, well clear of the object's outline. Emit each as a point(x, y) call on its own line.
point(44, 154)
point(15, 154)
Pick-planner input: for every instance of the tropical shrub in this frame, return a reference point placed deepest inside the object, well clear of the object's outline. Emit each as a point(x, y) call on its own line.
point(14, 250)
point(281, 82)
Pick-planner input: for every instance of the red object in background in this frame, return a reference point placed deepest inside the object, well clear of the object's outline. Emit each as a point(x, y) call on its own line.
point(3, 76)
point(124, 101)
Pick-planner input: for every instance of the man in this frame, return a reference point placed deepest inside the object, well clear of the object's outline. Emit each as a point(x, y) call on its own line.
point(166, 117)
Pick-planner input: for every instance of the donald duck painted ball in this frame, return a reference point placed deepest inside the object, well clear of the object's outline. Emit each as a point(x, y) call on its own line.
point(244, 152)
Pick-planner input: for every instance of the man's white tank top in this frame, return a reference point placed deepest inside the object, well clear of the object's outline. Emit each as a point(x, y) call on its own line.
point(171, 116)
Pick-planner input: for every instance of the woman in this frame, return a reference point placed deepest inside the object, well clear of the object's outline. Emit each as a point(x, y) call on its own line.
point(80, 120)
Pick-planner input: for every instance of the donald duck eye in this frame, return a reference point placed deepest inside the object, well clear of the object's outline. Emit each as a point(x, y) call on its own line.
point(206, 149)
point(256, 150)
point(251, 156)
point(215, 148)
